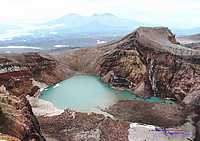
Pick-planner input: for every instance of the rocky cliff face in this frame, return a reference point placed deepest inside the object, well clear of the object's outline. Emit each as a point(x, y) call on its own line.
point(17, 72)
point(151, 61)
point(17, 119)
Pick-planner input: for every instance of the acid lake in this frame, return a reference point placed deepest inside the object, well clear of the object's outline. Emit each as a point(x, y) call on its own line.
point(87, 94)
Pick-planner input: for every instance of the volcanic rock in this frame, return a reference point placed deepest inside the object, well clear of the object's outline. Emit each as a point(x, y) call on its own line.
point(17, 119)
point(75, 126)
point(152, 57)
point(163, 115)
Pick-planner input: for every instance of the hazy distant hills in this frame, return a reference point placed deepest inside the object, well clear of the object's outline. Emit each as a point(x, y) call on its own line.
point(75, 20)
point(105, 24)
point(73, 30)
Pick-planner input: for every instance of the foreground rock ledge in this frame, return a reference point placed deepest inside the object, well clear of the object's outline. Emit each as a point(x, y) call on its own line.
point(75, 126)
point(18, 120)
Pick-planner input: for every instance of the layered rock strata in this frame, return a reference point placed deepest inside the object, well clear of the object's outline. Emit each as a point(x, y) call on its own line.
point(152, 62)
point(18, 120)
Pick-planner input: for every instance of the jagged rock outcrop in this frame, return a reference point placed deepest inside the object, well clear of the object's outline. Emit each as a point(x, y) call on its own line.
point(153, 62)
point(17, 72)
point(18, 120)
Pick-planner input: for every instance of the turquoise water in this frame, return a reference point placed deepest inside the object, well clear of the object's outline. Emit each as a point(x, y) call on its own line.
point(86, 93)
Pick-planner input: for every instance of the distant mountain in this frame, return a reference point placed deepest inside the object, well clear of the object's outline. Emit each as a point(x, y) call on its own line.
point(73, 30)
point(78, 21)
point(101, 24)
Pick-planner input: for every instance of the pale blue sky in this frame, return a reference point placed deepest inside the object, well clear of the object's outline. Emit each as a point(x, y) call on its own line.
point(180, 13)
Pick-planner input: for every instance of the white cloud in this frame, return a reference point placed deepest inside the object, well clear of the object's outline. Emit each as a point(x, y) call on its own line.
point(170, 12)
point(56, 26)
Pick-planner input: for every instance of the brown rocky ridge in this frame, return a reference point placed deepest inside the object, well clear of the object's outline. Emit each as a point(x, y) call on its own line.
point(191, 41)
point(18, 120)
